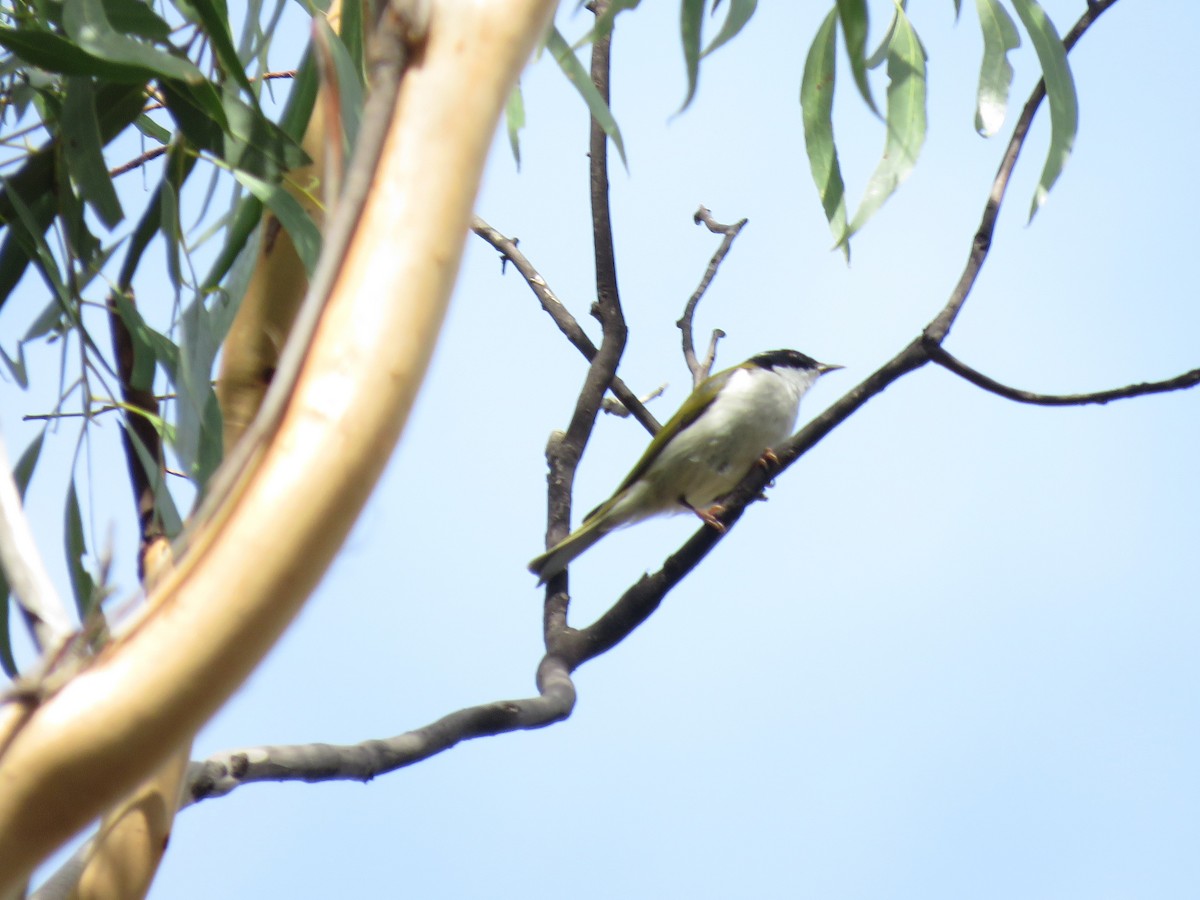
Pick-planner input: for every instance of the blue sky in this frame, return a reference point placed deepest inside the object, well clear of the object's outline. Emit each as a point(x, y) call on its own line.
point(952, 657)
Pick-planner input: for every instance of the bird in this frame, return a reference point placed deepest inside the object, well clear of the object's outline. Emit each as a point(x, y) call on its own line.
point(729, 423)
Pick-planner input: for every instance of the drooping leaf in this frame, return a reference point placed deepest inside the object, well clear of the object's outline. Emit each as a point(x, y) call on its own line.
point(514, 121)
point(604, 21)
point(855, 22)
point(152, 129)
point(879, 57)
point(691, 19)
point(82, 584)
point(164, 504)
point(579, 77)
point(1060, 91)
point(739, 14)
point(816, 101)
point(905, 121)
point(305, 235)
point(22, 474)
point(142, 375)
point(242, 137)
point(996, 72)
point(198, 421)
point(55, 53)
point(172, 237)
point(215, 24)
point(137, 18)
point(349, 86)
point(84, 153)
point(87, 24)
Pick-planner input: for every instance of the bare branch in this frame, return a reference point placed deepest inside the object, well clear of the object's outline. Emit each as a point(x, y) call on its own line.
point(564, 451)
point(568, 648)
point(701, 368)
point(947, 361)
point(562, 317)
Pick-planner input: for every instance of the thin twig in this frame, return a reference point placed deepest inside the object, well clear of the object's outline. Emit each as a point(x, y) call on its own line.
point(562, 317)
point(946, 360)
point(701, 367)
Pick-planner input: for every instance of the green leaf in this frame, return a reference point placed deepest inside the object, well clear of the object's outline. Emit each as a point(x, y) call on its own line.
point(349, 86)
point(879, 57)
point(739, 14)
point(84, 153)
point(164, 503)
point(905, 121)
point(305, 235)
point(137, 18)
point(853, 15)
point(691, 19)
point(816, 101)
point(215, 25)
point(579, 77)
point(514, 120)
point(996, 73)
point(169, 207)
point(242, 137)
point(54, 53)
point(152, 129)
point(82, 584)
point(957, 9)
point(87, 24)
point(198, 421)
point(179, 166)
point(142, 376)
point(1060, 91)
point(22, 474)
point(604, 21)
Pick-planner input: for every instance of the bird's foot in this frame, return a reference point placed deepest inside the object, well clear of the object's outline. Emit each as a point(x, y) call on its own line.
point(769, 460)
point(709, 517)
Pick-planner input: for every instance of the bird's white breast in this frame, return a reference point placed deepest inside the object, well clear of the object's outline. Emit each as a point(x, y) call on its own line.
point(756, 410)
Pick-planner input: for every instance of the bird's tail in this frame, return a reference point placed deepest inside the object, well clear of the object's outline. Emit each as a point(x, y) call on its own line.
point(560, 555)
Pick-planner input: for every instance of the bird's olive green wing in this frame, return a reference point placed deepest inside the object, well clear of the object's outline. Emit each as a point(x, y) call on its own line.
point(687, 414)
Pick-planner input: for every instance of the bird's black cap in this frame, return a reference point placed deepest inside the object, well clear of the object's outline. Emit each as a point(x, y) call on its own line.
point(788, 359)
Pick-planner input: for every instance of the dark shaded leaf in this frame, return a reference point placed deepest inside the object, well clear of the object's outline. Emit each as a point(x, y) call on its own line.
point(137, 18)
point(87, 24)
point(84, 153)
point(215, 24)
point(240, 136)
point(816, 101)
point(691, 20)
point(82, 583)
point(54, 53)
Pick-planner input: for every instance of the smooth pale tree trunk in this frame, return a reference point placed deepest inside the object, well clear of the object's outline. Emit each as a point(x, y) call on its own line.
point(245, 576)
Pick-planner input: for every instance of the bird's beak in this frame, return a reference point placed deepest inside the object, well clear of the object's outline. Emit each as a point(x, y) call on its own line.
point(828, 367)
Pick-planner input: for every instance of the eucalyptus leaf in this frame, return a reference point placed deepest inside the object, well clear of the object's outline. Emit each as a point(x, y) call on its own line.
point(996, 72)
point(816, 101)
point(579, 77)
point(84, 153)
point(905, 121)
point(691, 20)
point(22, 474)
point(855, 23)
point(305, 235)
point(1060, 91)
point(88, 25)
point(740, 12)
point(514, 121)
point(82, 584)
